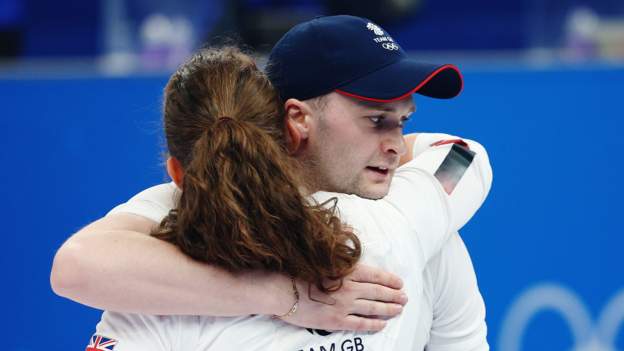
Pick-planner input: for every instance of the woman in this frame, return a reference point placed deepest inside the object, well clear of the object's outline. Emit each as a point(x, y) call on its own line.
point(244, 205)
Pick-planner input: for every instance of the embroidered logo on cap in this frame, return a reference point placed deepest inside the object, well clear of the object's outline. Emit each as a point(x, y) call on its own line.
point(386, 41)
point(375, 28)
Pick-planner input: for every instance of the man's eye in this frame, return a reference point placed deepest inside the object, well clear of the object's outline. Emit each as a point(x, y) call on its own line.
point(376, 119)
point(404, 120)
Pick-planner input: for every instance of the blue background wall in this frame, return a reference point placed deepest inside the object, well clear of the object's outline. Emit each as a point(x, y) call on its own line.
point(548, 236)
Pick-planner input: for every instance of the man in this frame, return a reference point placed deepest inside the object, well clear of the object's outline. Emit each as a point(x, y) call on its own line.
point(347, 129)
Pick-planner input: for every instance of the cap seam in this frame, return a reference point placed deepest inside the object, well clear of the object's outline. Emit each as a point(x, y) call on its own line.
point(320, 42)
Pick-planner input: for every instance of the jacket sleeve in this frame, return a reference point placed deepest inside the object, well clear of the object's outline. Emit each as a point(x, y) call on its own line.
point(441, 188)
point(458, 308)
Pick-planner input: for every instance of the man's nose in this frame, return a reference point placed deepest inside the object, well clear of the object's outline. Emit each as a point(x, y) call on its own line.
point(394, 143)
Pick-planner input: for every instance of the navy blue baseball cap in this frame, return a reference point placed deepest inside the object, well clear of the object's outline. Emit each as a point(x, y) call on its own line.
point(354, 57)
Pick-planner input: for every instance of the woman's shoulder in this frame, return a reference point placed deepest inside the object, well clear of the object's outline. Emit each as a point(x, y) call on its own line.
point(153, 203)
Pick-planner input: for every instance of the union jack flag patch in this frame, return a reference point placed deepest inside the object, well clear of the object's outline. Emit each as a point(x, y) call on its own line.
point(101, 343)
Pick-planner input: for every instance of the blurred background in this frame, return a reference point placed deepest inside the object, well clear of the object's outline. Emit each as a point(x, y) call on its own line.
point(80, 99)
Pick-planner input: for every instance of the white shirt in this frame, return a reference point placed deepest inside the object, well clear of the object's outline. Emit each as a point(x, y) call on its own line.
point(411, 232)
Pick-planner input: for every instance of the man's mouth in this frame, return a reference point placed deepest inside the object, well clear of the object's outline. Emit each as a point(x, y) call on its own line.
point(380, 170)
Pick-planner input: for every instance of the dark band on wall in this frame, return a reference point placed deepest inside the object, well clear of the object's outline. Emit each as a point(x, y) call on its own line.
point(453, 167)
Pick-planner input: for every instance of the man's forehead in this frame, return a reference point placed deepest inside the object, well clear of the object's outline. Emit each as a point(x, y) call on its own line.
point(407, 103)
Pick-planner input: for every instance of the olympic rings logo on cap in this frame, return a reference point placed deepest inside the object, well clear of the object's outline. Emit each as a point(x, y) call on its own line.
point(390, 46)
point(587, 335)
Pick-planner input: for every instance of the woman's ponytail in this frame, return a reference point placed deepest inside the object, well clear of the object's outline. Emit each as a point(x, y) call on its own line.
point(241, 209)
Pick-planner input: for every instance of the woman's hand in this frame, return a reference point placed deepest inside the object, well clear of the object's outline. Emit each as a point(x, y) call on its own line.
point(366, 299)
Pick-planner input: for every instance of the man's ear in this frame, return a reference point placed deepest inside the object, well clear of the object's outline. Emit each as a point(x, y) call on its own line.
point(298, 119)
point(175, 170)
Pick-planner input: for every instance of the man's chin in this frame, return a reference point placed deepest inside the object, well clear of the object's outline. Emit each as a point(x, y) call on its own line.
point(374, 191)
point(374, 186)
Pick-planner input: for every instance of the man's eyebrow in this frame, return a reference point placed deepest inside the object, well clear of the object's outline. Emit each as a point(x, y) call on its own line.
point(381, 107)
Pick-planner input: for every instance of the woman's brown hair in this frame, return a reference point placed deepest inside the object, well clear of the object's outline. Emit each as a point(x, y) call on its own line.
point(241, 205)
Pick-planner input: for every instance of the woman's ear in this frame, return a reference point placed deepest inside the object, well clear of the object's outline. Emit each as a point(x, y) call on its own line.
point(175, 171)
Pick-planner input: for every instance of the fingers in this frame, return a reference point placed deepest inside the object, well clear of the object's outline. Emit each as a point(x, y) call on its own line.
point(368, 274)
point(367, 295)
point(357, 323)
point(368, 291)
point(370, 308)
